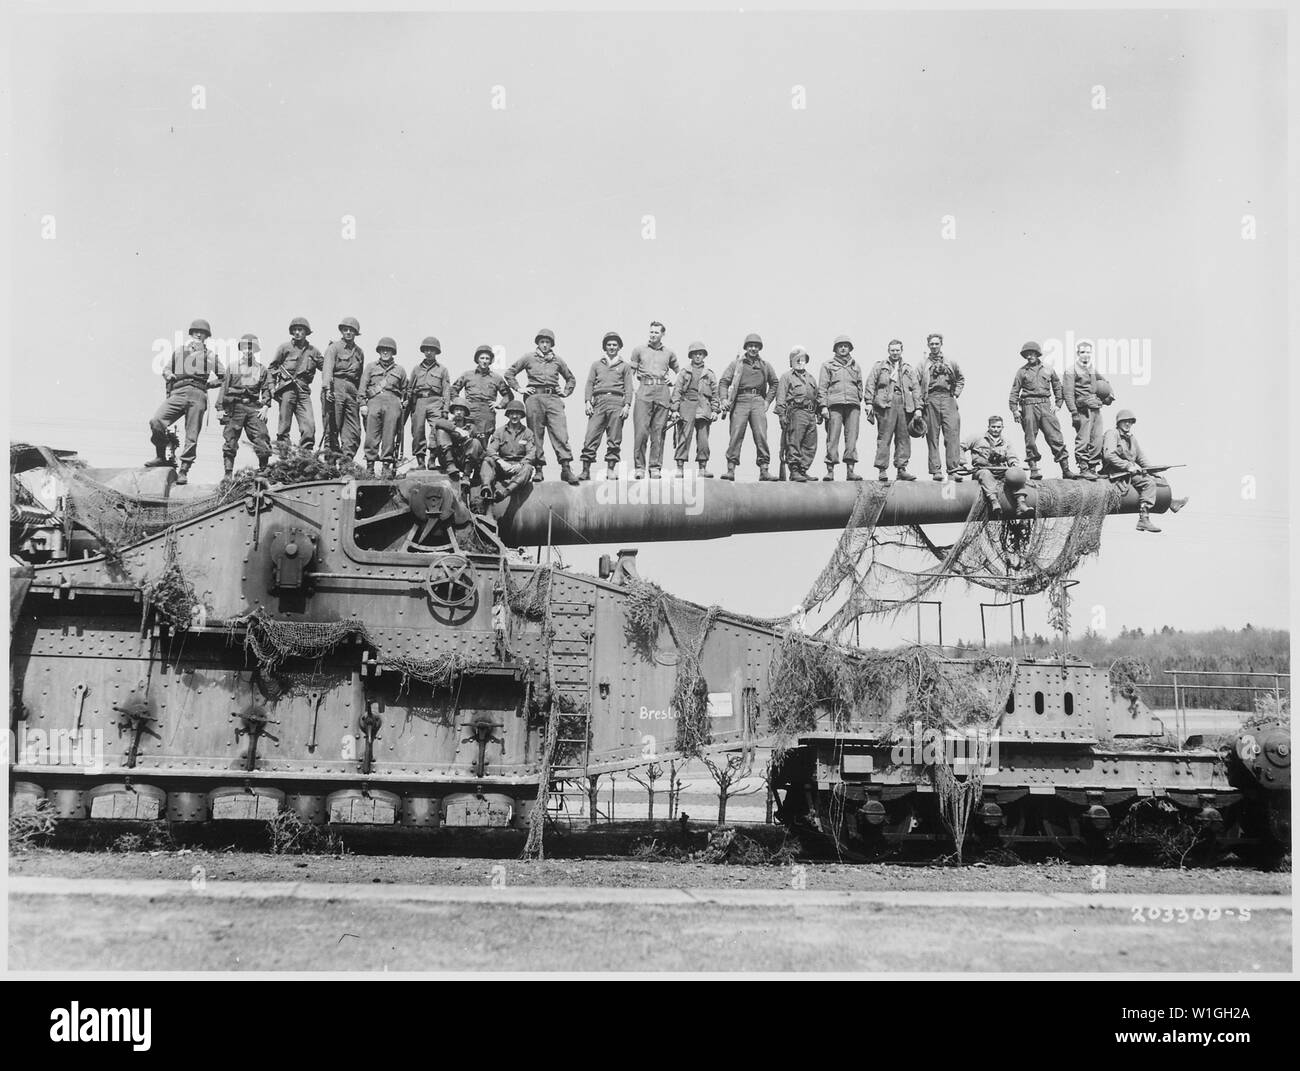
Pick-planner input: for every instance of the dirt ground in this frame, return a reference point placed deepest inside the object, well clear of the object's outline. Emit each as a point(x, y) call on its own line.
point(54, 932)
point(628, 873)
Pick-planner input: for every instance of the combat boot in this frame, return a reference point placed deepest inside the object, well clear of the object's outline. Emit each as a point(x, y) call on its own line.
point(263, 461)
point(586, 471)
point(704, 470)
point(452, 473)
point(937, 477)
point(538, 475)
point(850, 475)
point(159, 462)
point(390, 471)
point(183, 477)
point(830, 473)
point(903, 474)
point(370, 469)
point(884, 475)
point(1022, 505)
point(995, 508)
point(229, 465)
point(1034, 474)
point(655, 473)
point(1144, 522)
point(1068, 473)
point(566, 474)
point(639, 474)
point(730, 474)
point(798, 476)
point(611, 471)
point(764, 476)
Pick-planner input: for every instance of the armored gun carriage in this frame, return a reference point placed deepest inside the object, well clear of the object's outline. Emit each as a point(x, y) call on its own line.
point(371, 652)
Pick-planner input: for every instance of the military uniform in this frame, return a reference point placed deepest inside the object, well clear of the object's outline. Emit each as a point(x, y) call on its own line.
point(506, 467)
point(342, 366)
point(295, 365)
point(987, 453)
point(481, 389)
point(609, 393)
point(651, 364)
point(187, 378)
point(1085, 413)
point(460, 446)
point(695, 400)
point(839, 392)
point(748, 383)
point(244, 392)
point(1122, 454)
point(430, 388)
point(941, 383)
point(796, 408)
point(545, 406)
point(383, 384)
point(1033, 391)
point(895, 393)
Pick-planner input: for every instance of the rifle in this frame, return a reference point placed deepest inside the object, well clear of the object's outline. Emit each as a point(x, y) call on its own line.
point(408, 398)
point(327, 418)
point(783, 470)
point(1150, 470)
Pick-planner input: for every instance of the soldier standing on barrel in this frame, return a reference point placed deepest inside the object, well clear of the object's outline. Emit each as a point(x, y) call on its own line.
point(383, 388)
point(694, 403)
point(189, 374)
point(245, 392)
point(1035, 395)
point(941, 386)
point(839, 393)
point(796, 409)
point(608, 398)
point(651, 363)
point(895, 395)
point(545, 402)
point(749, 384)
point(482, 387)
point(342, 367)
point(292, 369)
point(430, 393)
point(1086, 391)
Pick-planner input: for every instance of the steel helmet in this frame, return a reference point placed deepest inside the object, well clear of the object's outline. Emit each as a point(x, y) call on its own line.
point(545, 332)
point(515, 406)
point(1031, 347)
point(300, 321)
point(842, 340)
point(696, 347)
point(350, 321)
point(201, 325)
point(1015, 478)
point(485, 349)
point(459, 403)
point(754, 338)
point(795, 354)
point(251, 339)
point(431, 343)
point(1103, 390)
point(611, 334)
point(916, 426)
point(1125, 414)
point(385, 343)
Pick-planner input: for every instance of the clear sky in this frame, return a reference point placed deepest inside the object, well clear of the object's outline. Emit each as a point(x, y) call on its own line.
point(481, 224)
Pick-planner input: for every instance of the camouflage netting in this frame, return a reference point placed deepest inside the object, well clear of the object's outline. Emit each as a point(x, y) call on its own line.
point(120, 519)
point(1016, 557)
point(809, 678)
point(171, 595)
point(271, 641)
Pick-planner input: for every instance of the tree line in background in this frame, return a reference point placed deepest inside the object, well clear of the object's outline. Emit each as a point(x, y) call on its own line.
point(1245, 650)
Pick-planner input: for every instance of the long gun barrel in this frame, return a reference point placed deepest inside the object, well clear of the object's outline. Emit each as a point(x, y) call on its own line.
point(642, 511)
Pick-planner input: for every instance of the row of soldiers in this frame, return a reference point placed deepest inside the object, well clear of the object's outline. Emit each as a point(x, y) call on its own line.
point(901, 400)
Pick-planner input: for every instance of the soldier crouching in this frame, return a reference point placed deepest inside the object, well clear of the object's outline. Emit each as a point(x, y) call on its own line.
point(459, 444)
point(506, 469)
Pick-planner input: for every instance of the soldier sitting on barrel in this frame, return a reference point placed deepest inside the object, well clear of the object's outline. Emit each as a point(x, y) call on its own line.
point(507, 469)
point(459, 443)
point(995, 465)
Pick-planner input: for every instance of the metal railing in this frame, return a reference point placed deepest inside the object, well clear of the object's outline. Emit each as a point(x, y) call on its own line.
point(1181, 688)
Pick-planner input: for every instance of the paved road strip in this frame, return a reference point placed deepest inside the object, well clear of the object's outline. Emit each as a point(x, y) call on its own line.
point(541, 895)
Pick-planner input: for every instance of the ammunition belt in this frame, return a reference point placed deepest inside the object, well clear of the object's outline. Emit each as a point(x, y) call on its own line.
point(546, 390)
